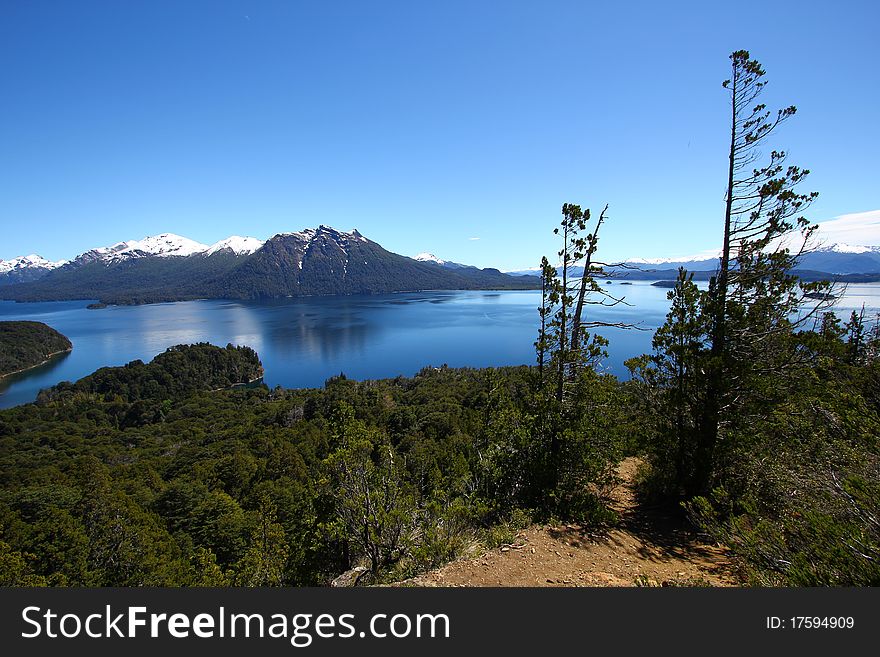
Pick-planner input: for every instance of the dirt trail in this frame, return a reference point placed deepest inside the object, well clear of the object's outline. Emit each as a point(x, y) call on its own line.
point(648, 547)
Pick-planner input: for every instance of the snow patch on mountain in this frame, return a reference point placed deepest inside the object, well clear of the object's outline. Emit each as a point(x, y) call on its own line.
point(164, 246)
point(306, 234)
point(170, 245)
point(429, 257)
point(841, 247)
point(711, 254)
point(309, 234)
point(32, 261)
point(239, 245)
point(341, 236)
point(447, 264)
point(834, 258)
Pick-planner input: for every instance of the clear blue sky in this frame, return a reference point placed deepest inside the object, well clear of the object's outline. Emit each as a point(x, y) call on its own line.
point(421, 124)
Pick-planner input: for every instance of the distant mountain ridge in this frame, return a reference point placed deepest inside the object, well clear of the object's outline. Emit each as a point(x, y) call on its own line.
point(311, 262)
point(838, 260)
point(323, 261)
point(33, 267)
point(430, 257)
point(166, 245)
point(26, 268)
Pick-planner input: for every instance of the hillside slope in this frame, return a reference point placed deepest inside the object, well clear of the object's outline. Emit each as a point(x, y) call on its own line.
point(648, 548)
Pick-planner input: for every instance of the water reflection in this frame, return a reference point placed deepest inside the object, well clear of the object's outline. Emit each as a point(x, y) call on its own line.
point(44, 369)
point(302, 342)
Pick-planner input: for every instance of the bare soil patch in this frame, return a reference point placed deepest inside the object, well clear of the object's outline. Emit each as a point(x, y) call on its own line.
point(648, 547)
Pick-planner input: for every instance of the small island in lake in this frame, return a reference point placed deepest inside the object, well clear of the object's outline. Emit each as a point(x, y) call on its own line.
point(820, 296)
point(24, 345)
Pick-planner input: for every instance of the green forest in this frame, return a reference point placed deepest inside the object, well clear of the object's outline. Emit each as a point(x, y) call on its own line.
point(756, 417)
point(27, 344)
point(148, 475)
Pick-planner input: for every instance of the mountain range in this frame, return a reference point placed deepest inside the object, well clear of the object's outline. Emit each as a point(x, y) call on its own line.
point(837, 261)
point(311, 262)
point(26, 268)
point(323, 261)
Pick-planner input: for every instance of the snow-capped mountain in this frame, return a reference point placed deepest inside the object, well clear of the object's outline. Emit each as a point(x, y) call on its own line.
point(840, 247)
point(324, 236)
point(339, 236)
point(310, 262)
point(167, 244)
point(706, 257)
point(26, 268)
point(163, 246)
point(430, 257)
point(841, 258)
point(33, 267)
point(27, 262)
point(238, 245)
point(838, 259)
point(160, 245)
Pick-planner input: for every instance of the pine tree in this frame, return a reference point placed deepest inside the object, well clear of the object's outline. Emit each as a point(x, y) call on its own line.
point(567, 354)
point(753, 298)
point(680, 355)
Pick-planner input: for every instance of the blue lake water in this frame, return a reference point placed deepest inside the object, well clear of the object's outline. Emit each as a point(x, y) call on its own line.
point(302, 342)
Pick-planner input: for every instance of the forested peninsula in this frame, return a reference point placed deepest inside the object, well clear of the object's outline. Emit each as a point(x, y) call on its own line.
point(24, 345)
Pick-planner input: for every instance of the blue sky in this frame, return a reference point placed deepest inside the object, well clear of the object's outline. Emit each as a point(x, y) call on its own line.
point(422, 125)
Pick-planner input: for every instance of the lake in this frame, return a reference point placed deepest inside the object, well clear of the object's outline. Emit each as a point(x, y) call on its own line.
point(302, 342)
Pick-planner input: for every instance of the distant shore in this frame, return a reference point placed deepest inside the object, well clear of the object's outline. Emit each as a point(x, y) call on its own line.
point(48, 358)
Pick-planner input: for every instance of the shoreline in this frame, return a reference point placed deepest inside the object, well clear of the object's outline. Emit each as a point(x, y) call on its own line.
point(48, 358)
